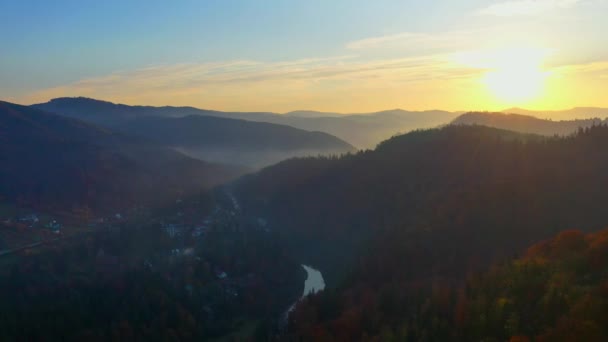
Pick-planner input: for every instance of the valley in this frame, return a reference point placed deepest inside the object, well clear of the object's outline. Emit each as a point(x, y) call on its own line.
point(253, 253)
point(238, 252)
point(303, 171)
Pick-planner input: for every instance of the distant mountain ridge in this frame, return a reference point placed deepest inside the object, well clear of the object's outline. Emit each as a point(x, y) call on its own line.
point(363, 130)
point(254, 144)
point(525, 123)
point(567, 114)
point(197, 130)
point(109, 113)
point(312, 114)
point(207, 135)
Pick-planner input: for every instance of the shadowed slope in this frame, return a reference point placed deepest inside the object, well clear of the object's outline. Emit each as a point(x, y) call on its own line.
point(55, 162)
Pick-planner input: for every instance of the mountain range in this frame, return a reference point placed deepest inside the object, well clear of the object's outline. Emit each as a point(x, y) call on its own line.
point(362, 130)
point(207, 135)
point(525, 123)
point(566, 114)
point(57, 163)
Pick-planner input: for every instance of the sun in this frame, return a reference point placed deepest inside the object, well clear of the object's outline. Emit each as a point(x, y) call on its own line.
point(515, 84)
point(512, 76)
point(516, 76)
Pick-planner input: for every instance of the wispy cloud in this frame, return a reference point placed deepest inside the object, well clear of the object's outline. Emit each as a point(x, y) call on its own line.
point(526, 7)
point(254, 85)
point(597, 68)
point(345, 83)
point(414, 40)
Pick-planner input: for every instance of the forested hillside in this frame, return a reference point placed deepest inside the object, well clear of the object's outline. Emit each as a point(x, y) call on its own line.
point(555, 292)
point(525, 123)
point(56, 163)
point(187, 272)
point(436, 203)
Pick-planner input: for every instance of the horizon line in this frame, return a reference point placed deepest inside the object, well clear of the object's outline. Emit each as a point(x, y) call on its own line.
point(506, 110)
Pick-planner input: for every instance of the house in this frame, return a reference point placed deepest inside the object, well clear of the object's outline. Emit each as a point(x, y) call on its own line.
point(148, 265)
point(54, 226)
point(172, 230)
point(231, 292)
point(199, 231)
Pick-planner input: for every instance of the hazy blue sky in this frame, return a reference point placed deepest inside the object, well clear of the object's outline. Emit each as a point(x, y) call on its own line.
point(276, 55)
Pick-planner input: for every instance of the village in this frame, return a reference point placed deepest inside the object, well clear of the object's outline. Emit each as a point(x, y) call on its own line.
point(195, 237)
point(23, 229)
point(208, 250)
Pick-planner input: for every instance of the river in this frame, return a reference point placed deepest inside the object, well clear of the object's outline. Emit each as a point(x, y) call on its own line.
point(314, 280)
point(314, 283)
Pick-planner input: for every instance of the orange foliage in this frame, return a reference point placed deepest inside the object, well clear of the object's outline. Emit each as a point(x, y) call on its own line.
point(569, 241)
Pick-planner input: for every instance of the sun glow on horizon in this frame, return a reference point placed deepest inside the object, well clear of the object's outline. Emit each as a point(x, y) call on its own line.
point(517, 77)
point(512, 76)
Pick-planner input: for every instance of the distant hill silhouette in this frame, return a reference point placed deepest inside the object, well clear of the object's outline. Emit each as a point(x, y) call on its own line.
point(524, 123)
point(57, 163)
point(196, 130)
point(312, 114)
point(110, 114)
point(366, 130)
point(567, 114)
point(215, 138)
point(225, 140)
point(363, 130)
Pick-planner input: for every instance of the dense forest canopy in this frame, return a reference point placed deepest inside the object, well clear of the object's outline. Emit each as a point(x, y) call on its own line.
point(435, 203)
point(525, 123)
point(555, 292)
point(209, 277)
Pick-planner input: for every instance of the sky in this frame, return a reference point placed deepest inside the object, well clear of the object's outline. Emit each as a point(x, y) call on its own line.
point(283, 55)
